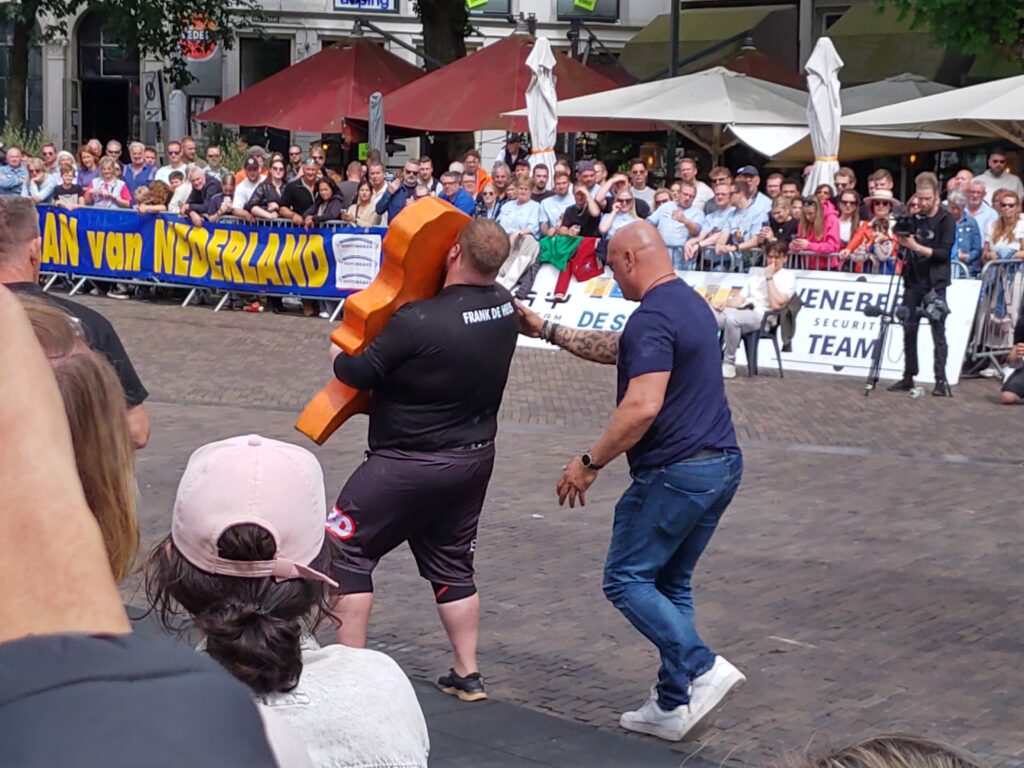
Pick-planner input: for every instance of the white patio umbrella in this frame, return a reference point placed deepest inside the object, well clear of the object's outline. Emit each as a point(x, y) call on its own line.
point(995, 108)
point(542, 107)
point(824, 113)
point(701, 106)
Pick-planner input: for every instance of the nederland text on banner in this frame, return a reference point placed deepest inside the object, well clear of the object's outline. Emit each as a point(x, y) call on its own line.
point(125, 245)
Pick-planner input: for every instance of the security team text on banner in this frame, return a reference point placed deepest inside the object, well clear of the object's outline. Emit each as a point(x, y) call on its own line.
point(279, 260)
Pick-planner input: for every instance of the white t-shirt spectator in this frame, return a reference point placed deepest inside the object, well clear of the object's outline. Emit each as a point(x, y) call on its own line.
point(1005, 249)
point(179, 198)
point(243, 191)
point(353, 707)
point(646, 194)
point(704, 194)
point(164, 173)
point(1005, 180)
point(755, 291)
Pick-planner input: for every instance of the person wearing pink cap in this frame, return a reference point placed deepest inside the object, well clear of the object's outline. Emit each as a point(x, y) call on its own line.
point(245, 563)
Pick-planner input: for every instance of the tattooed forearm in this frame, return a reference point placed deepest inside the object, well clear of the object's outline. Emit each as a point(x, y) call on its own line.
point(597, 346)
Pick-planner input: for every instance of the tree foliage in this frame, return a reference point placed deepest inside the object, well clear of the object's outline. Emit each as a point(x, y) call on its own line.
point(152, 27)
point(445, 26)
point(972, 27)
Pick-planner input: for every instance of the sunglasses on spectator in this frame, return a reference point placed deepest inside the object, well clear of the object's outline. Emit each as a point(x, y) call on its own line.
point(48, 153)
point(277, 167)
point(626, 200)
point(1008, 205)
point(661, 200)
point(488, 194)
point(847, 202)
point(295, 154)
point(173, 152)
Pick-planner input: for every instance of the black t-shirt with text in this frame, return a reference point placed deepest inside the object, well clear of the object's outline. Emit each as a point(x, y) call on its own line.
point(588, 224)
point(438, 369)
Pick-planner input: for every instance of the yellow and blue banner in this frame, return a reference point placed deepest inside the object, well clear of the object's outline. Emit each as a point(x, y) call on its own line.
point(165, 249)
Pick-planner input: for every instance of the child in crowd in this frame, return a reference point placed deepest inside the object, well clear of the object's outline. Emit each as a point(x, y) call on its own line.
point(68, 194)
point(244, 563)
point(157, 194)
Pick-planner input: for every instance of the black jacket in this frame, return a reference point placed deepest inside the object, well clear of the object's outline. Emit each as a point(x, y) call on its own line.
point(938, 233)
point(264, 195)
point(297, 197)
point(328, 210)
point(120, 702)
point(206, 201)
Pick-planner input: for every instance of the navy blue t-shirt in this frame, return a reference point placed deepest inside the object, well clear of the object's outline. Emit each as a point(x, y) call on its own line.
point(674, 330)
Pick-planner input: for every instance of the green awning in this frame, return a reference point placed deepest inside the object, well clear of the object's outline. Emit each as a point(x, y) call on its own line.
point(876, 44)
point(772, 27)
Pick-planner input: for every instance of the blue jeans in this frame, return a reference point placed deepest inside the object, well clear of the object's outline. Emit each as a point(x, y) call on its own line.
point(679, 262)
point(663, 522)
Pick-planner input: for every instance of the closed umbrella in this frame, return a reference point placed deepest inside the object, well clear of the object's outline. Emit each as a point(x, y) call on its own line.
point(542, 106)
point(824, 113)
point(376, 137)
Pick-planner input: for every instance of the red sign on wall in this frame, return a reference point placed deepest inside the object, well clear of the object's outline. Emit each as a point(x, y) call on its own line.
point(197, 42)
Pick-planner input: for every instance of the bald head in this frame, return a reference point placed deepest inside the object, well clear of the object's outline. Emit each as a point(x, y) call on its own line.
point(638, 257)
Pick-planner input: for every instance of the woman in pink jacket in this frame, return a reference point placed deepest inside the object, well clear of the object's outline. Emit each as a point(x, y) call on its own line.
point(817, 237)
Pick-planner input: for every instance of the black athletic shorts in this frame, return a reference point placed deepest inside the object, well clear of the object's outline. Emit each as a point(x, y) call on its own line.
point(1015, 383)
point(430, 499)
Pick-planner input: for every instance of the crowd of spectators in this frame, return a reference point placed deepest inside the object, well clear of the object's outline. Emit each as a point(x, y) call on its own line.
point(724, 223)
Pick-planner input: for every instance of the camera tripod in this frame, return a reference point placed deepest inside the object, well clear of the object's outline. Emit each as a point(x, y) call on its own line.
point(886, 314)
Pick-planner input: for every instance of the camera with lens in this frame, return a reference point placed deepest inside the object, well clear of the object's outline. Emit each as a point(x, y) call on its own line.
point(934, 307)
point(907, 224)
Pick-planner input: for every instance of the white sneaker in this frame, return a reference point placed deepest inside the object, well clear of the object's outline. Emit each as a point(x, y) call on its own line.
point(728, 371)
point(990, 373)
point(709, 692)
point(651, 719)
point(325, 315)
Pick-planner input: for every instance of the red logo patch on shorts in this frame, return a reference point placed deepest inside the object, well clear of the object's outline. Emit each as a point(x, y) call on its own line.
point(340, 525)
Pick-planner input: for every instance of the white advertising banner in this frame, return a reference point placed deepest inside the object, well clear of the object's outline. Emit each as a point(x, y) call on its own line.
point(356, 260)
point(832, 333)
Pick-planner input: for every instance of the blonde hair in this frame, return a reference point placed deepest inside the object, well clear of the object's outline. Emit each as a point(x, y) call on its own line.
point(1000, 229)
point(98, 417)
point(890, 752)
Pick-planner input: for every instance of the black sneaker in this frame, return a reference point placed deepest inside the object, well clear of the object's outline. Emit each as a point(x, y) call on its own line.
point(903, 385)
point(942, 390)
point(468, 688)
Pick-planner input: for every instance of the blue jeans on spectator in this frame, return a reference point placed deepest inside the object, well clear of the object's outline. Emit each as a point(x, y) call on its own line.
point(679, 262)
point(663, 522)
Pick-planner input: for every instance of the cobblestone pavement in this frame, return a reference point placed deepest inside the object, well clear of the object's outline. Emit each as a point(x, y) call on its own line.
point(866, 578)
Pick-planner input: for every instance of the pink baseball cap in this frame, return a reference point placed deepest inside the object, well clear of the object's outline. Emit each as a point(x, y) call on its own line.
point(258, 481)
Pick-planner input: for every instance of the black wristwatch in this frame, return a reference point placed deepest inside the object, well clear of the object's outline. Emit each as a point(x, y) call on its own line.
point(588, 461)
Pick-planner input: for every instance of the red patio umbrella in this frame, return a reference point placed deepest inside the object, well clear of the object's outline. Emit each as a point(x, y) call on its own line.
point(319, 93)
point(471, 93)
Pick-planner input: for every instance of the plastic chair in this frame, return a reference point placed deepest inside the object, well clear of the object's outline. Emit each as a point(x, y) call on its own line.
point(769, 330)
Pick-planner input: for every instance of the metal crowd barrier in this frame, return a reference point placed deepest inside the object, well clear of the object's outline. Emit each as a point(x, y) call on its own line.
point(706, 261)
point(999, 304)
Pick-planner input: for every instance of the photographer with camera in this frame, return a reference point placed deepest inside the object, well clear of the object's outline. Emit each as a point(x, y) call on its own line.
point(926, 240)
